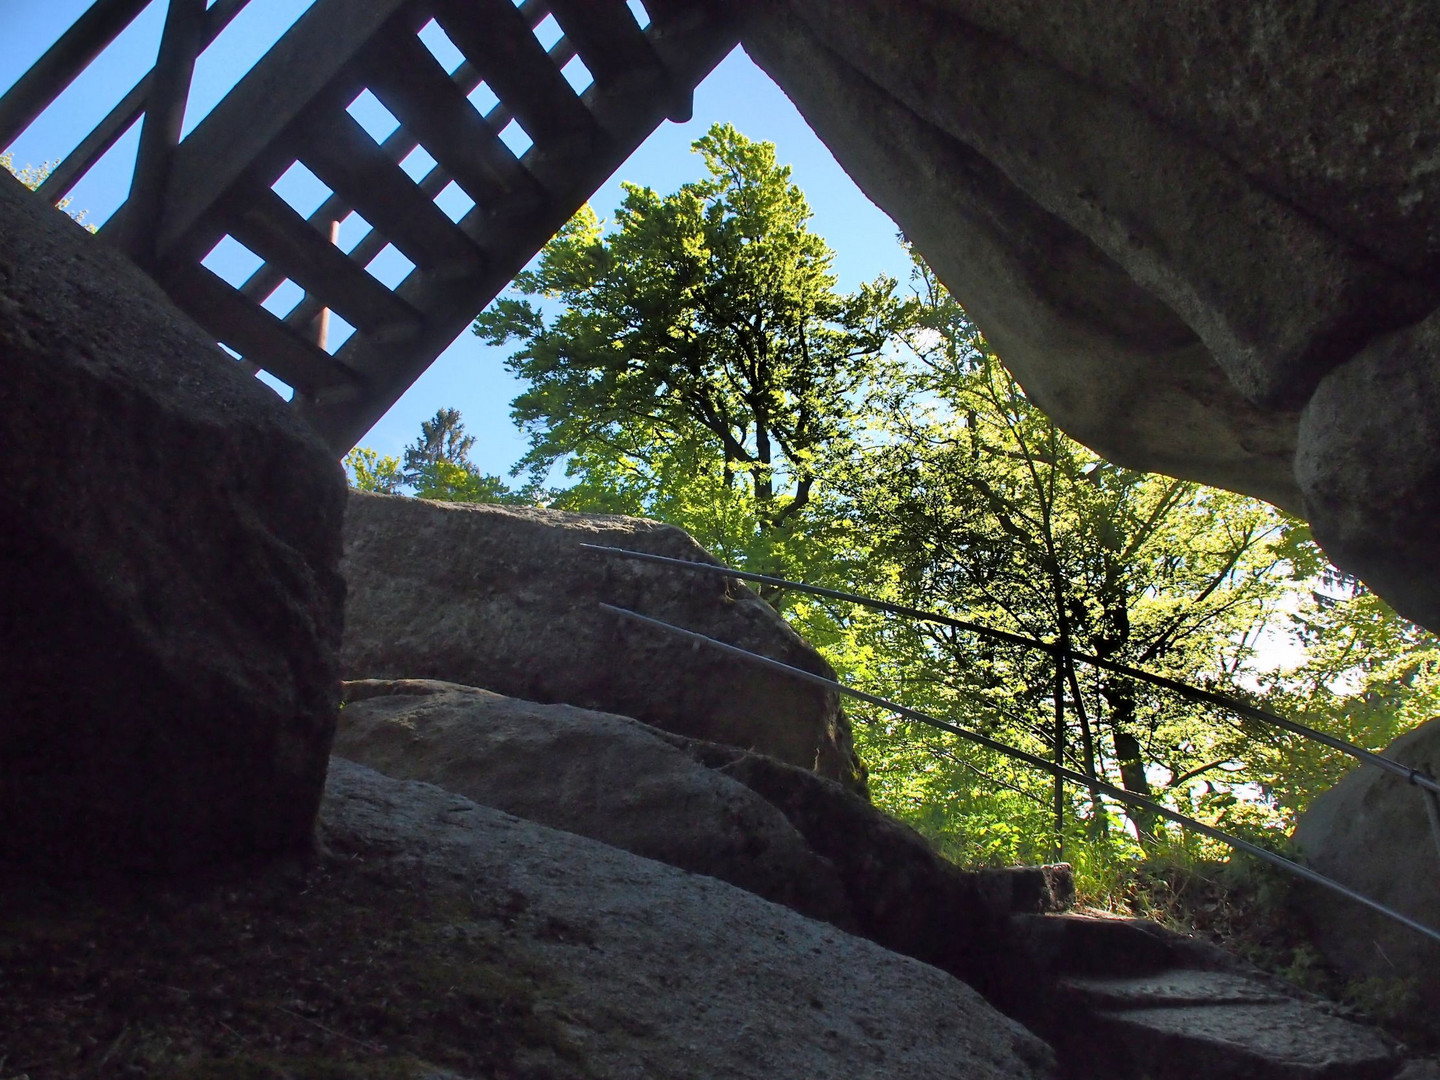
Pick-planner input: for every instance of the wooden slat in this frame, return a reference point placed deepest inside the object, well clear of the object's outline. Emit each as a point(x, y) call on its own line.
point(397, 146)
point(619, 54)
point(682, 15)
point(450, 306)
point(250, 120)
point(607, 38)
point(266, 224)
point(254, 332)
point(350, 163)
point(408, 82)
point(400, 143)
point(48, 77)
point(498, 40)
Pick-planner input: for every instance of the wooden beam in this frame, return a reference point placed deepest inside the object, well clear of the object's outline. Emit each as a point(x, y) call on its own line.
point(118, 120)
point(319, 324)
point(266, 224)
point(498, 40)
point(607, 37)
point(400, 142)
point(408, 81)
point(48, 77)
point(353, 166)
point(254, 332)
point(685, 15)
point(180, 44)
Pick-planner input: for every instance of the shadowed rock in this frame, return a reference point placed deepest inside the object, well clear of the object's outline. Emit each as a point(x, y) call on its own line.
point(660, 973)
point(1173, 229)
point(169, 600)
point(775, 829)
point(603, 776)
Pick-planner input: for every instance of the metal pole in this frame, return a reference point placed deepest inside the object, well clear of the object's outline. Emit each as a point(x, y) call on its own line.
point(320, 325)
point(1419, 777)
point(1045, 766)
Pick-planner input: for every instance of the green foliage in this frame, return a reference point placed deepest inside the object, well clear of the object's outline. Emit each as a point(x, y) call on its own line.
point(368, 471)
point(1368, 676)
point(442, 439)
point(693, 362)
point(979, 508)
point(447, 481)
point(32, 176)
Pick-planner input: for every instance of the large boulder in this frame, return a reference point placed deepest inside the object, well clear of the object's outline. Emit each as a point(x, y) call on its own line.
point(777, 830)
point(596, 774)
point(507, 600)
point(660, 973)
point(1372, 832)
point(1116, 997)
point(169, 543)
point(447, 940)
point(1172, 229)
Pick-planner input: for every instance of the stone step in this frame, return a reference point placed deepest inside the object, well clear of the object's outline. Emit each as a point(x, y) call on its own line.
point(1126, 999)
point(1186, 1023)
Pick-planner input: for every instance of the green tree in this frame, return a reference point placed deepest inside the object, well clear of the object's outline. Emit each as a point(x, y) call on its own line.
point(368, 471)
point(437, 466)
point(977, 506)
point(442, 439)
point(1364, 674)
point(702, 364)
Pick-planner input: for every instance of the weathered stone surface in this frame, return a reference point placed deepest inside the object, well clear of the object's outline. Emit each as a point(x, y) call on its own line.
point(1279, 1040)
point(1172, 228)
point(775, 829)
point(603, 776)
point(169, 595)
point(505, 599)
point(1371, 832)
point(1369, 466)
point(902, 893)
point(1127, 998)
point(1117, 997)
point(659, 973)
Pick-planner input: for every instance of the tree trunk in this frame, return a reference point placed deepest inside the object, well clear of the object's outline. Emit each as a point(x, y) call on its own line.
point(1132, 776)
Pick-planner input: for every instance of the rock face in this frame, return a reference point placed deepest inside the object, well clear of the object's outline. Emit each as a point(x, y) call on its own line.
point(169, 594)
point(595, 774)
point(1203, 243)
point(1352, 833)
point(773, 829)
point(505, 599)
point(1116, 997)
point(659, 973)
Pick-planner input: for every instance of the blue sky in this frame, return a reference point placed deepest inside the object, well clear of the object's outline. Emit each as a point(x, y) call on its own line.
point(468, 376)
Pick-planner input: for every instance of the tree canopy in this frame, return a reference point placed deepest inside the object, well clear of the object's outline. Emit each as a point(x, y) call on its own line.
point(701, 361)
point(976, 506)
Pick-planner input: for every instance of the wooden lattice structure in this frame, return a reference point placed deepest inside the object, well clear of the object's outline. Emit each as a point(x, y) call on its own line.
point(187, 195)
